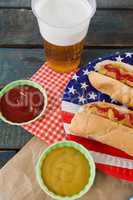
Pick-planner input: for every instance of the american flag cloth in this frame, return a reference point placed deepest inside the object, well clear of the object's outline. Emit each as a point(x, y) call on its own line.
point(49, 127)
point(78, 92)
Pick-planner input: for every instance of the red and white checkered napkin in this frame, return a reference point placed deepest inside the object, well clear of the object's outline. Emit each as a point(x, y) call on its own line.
point(49, 128)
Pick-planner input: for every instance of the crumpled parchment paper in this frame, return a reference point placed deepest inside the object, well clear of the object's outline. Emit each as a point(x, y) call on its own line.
point(18, 181)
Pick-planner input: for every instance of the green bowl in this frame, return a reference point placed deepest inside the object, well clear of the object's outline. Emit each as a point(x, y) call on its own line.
point(81, 149)
point(20, 83)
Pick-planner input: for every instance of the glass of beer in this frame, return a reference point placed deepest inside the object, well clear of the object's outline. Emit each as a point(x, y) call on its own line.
point(63, 25)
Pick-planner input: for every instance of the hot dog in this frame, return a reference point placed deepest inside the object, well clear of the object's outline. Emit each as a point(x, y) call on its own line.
point(88, 123)
point(114, 88)
point(118, 70)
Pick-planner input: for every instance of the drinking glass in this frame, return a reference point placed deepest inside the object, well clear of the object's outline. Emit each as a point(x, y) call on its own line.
point(63, 25)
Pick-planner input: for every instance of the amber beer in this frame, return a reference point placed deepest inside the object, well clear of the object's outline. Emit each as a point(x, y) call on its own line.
point(63, 25)
point(63, 58)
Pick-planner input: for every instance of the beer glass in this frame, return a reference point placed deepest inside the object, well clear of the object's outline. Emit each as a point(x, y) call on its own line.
point(63, 25)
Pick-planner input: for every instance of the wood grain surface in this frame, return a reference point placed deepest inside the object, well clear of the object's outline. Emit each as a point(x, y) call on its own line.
point(100, 3)
point(5, 156)
point(115, 4)
point(19, 63)
point(15, 3)
point(108, 28)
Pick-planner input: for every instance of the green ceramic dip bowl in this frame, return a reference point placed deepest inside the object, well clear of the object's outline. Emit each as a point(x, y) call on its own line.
point(21, 83)
point(81, 149)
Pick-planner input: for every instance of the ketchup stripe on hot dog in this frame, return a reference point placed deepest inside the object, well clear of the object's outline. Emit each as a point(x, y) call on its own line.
point(112, 112)
point(118, 70)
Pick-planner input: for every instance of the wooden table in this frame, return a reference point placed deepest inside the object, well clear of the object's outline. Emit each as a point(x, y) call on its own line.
point(21, 52)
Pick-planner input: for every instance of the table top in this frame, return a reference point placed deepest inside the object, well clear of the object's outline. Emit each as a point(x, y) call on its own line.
point(22, 54)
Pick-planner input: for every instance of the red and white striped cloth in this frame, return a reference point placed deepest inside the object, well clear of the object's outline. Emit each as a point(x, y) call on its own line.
point(108, 159)
point(50, 128)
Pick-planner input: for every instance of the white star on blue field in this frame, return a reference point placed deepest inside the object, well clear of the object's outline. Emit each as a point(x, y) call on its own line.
point(80, 91)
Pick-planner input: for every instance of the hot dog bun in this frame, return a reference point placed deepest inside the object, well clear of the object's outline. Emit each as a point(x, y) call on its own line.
point(87, 124)
point(114, 88)
point(117, 70)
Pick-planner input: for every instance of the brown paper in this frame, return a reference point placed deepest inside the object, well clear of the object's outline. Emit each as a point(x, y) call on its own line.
point(18, 182)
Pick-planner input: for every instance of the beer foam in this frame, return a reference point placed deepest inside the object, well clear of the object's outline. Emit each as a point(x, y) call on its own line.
point(63, 22)
point(63, 13)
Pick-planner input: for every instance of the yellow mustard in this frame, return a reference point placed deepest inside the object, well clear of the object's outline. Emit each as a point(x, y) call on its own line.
point(65, 171)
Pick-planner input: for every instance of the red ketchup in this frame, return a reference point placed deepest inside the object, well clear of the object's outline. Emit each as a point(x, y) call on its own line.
point(119, 75)
point(22, 104)
point(118, 115)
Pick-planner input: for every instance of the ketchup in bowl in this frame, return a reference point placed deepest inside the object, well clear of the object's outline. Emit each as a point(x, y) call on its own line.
point(22, 104)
